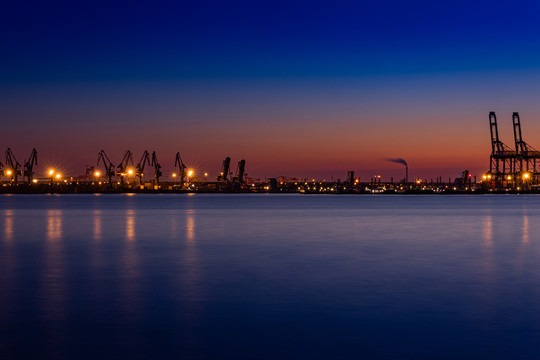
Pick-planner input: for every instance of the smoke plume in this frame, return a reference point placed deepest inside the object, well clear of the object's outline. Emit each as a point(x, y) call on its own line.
point(398, 160)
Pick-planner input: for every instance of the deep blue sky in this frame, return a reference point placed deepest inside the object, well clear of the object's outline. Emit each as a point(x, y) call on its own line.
point(51, 41)
point(202, 69)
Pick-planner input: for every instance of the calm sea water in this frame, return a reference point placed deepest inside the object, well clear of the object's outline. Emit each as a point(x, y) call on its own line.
point(269, 277)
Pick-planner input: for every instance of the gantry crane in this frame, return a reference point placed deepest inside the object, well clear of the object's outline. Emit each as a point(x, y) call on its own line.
point(29, 166)
point(12, 166)
point(107, 165)
point(157, 167)
point(139, 169)
point(181, 167)
point(502, 158)
point(224, 175)
point(527, 155)
point(125, 167)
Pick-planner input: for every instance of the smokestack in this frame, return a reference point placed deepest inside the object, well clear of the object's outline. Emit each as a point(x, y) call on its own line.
point(402, 162)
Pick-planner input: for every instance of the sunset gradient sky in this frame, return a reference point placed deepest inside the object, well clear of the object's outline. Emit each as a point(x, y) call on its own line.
point(303, 88)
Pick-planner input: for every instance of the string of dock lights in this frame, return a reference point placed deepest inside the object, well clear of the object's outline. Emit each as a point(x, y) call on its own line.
point(524, 176)
point(131, 172)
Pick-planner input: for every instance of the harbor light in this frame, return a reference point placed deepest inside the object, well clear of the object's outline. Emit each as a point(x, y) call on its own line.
point(34, 181)
point(130, 171)
point(526, 176)
point(58, 176)
point(190, 173)
point(51, 172)
point(174, 175)
point(9, 172)
point(509, 177)
point(97, 174)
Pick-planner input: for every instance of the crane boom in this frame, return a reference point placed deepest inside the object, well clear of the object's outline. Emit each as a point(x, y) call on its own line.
point(501, 155)
point(29, 165)
point(181, 167)
point(157, 167)
point(127, 160)
point(139, 169)
point(525, 152)
point(125, 167)
point(107, 165)
point(240, 171)
point(224, 175)
point(13, 165)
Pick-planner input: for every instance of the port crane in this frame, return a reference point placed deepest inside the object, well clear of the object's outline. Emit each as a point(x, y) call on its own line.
point(126, 166)
point(12, 166)
point(181, 167)
point(29, 165)
point(139, 169)
point(502, 158)
point(157, 167)
point(240, 169)
point(526, 154)
point(224, 174)
point(107, 165)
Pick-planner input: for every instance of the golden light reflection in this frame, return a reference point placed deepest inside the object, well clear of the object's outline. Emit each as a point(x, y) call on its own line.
point(130, 271)
point(53, 285)
point(130, 225)
point(8, 225)
point(190, 227)
point(525, 229)
point(488, 231)
point(190, 276)
point(97, 225)
point(54, 225)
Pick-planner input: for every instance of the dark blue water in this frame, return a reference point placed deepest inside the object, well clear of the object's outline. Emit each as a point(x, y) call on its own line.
point(269, 277)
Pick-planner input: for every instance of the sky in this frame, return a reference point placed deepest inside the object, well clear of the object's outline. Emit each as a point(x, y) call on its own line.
point(296, 88)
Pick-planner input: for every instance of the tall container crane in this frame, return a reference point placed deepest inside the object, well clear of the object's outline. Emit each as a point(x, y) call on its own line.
point(139, 169)
point(157, 167)
point(224, 174)
point(29, 166)
point(527, 155)
point(12, 166)
point(181, 167)
point(502, 159)
point(107, 165)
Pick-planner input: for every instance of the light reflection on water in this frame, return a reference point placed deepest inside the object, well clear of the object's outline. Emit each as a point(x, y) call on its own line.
point(8, 225)
point(130, 270)
point(97, 225)
point(270, 276)
point(53, 286)
point(525, 229)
